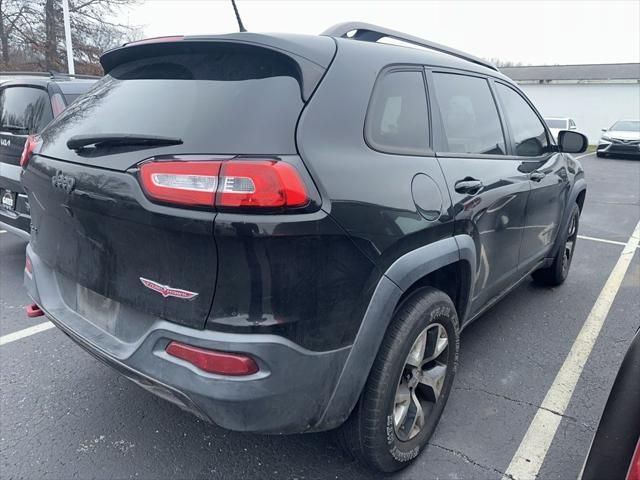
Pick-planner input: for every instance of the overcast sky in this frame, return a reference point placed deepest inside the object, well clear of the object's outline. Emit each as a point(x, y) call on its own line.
point(533, 32)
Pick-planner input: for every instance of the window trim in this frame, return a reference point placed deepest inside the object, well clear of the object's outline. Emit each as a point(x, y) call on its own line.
point(438, 125)
point(409, 151)
point(552, 145)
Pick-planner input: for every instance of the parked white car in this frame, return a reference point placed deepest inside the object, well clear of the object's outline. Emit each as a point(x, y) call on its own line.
point(556, 124)
point(622, 138)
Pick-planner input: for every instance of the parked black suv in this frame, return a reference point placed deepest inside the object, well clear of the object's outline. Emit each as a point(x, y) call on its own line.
point(287, 233)
point(28, 102)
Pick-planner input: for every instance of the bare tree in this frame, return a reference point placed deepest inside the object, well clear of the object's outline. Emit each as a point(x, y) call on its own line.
point(33, 32)
point(504, 63)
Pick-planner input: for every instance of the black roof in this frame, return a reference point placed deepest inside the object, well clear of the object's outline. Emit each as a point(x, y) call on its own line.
point(595, 71)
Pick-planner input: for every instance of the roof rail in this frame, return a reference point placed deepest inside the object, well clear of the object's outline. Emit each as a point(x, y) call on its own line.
point(47, 74)
point(372, 33)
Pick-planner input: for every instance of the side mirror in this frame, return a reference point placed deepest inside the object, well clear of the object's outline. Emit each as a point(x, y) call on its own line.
point(572, 142)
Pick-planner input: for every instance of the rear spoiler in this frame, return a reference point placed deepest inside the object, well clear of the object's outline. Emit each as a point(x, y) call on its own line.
point(313, 54)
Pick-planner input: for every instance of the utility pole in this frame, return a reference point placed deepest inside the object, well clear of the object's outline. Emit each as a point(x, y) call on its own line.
point(67, 37)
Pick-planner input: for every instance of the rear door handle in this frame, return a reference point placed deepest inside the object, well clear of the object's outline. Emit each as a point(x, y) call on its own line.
point(468, 185)
point(537, 176)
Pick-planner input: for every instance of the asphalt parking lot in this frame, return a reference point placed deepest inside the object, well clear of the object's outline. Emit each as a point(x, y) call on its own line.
point(65, 415)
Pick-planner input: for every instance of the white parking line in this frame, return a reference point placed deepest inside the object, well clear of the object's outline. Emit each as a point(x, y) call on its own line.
point(584, 155)
point(3, 231)
point(532, 451)
point(26, 332)
point(603, 240)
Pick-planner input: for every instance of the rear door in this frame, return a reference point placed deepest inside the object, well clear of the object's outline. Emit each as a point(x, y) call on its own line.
point(547, 172)
point(488, 188)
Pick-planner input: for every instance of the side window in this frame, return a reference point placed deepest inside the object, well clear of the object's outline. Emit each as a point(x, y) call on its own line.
point(528, 132)
point(398, 117)
point(469, 115)
point(24, 110)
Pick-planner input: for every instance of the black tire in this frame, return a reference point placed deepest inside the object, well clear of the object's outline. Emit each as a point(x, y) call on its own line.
point(371, 434)
point(558, 271)
point(601, 155)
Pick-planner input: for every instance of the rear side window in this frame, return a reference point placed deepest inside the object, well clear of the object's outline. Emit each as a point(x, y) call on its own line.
point(469, 115)
point(70, 97)
point(528, 132)
point(24, 110)
point(398, 118)
point(218, 98)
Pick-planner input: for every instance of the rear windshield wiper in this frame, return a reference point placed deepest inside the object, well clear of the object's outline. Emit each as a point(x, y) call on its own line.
point(14, 128)
point(78, 142)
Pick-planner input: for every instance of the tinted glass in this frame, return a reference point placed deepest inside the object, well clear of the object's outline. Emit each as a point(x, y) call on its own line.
point(626, 126)
point(70, 97)
point(398, 119)
point(528, 132)
point(219, 99)
point(24, 109)
point(553, 123)
point(469, 115)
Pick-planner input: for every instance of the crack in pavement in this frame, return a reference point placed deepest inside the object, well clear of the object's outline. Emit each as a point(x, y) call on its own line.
point(523, 402)
point(470, 460)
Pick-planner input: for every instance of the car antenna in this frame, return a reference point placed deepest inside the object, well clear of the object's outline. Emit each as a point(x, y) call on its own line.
point(235, 9)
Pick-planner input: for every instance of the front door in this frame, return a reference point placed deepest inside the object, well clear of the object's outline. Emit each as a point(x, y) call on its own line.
point(547, 171)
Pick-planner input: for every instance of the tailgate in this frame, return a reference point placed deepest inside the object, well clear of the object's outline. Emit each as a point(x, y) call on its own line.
point(105, 236)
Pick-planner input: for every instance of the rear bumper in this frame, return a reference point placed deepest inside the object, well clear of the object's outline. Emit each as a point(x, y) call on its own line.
point(16, 221)
point(289, 394)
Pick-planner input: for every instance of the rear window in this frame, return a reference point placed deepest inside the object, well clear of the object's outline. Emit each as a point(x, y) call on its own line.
point(219, 99)
point(24, 110)
point(70, 98)
point(554, 123)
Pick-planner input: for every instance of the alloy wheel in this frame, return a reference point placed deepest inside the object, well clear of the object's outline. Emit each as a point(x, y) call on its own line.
point(569, 245)
point(421, 381)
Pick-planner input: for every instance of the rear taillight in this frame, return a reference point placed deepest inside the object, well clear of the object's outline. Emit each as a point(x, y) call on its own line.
point(57, 104)
point(28, 267)
point(185, 183)
point(268, 184)
point(212, 361)
point(634, 468)
point(27, 152)
point(229, 184)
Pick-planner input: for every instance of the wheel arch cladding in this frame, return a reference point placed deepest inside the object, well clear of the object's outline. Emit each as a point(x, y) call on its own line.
point(577, 196)
point(403, 276)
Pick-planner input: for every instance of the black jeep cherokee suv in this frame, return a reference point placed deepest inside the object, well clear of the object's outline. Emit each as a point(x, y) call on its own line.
point(28, 102)
point(287, 233)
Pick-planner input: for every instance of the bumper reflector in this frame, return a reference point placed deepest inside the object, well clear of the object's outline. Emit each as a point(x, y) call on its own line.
point(33, 310)
point(212, 361)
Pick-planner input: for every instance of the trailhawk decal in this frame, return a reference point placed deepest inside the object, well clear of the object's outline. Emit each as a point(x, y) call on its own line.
point(166, 290)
